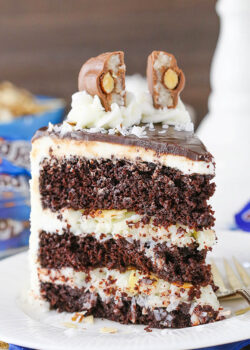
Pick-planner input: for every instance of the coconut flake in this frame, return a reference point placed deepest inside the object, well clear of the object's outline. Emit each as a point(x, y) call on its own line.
point(138, 131)
point(185, 127)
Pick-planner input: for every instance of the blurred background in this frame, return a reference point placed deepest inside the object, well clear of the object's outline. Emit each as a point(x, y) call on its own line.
point(44, 43)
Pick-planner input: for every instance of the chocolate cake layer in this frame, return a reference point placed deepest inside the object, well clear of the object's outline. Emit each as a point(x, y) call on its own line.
point(147, 188)
point(182, 143)
point(172, 264)
point(65, 298)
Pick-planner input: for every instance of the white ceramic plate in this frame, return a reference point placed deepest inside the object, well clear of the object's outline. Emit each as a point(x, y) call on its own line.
point(24, 325)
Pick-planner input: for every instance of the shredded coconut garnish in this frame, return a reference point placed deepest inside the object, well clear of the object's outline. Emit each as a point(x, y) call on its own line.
point(151, 126)
point(184, 127)
point(138, 131)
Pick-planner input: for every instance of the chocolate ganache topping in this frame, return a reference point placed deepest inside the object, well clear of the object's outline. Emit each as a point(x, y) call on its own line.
point(182, 143)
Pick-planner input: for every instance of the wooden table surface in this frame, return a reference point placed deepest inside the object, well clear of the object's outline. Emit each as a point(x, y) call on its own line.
point(44, 43)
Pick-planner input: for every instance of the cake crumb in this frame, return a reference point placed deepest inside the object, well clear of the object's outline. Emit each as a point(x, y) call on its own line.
point(108, 330)
point(69, 325)
point(148, 329)
point(89, 319)
point(78, 316)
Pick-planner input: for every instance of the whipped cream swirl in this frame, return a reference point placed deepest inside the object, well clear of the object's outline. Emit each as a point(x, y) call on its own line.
point(88, 112)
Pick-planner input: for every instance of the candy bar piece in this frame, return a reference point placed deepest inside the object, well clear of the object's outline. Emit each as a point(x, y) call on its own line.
point(165, 79)
point(104, 76)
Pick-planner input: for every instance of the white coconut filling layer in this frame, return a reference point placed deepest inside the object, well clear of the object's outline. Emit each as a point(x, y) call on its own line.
point(115, 224)
point(66, 148)
point(148, 290)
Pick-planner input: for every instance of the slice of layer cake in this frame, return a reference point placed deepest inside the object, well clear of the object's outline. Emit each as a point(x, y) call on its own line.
point(120, 221)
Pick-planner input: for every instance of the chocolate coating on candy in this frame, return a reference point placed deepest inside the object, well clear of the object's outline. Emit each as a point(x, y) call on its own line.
point(165, 79)
point(105, 77)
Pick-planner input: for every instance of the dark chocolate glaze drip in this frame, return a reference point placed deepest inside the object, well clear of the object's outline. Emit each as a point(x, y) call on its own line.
point(182, 143)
